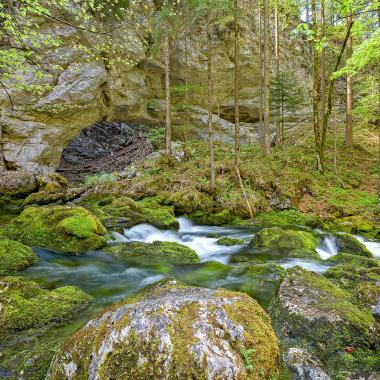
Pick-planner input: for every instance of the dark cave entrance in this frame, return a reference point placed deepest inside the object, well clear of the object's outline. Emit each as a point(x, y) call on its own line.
point(105, 147)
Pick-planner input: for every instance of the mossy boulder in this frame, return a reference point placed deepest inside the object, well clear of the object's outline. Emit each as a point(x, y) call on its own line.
point(158, 250)
point(122, 211)
point(229, 242)
point(26, 305)
point(278, 242)
point(355, 260)
point(353, 225)
point(63, 229)
point(312, 312)
point(173, 331)
point(15, 257)
point(212, 219)
point(362, 282)
point(349, 244)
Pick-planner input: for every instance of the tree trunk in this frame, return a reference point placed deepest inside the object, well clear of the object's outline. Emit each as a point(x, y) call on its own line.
point(262, 138)
point(266, 80)
point(378, 114)
point(316, 87)
point(187, 121)
point(210, 105)
point(348, 140)
point(2, 164)
point(237, 110)
point(168, 130)
point(277, 57)
point(323, 86)
point(335, 135)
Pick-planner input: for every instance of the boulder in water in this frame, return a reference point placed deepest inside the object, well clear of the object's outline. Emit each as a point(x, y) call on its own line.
point(158, 250)
point(15, 257)
point(349, 244)
point(278, 242)
point(173, 331)
point(229, 242)
point(61, 229)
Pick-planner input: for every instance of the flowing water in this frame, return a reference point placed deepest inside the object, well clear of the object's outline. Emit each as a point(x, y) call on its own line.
point(109, 278)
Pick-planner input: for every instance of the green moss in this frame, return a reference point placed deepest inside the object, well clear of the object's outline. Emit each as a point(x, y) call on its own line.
point(212, 219)
point(62, 229)
point(162, 250)
point(315, 311)
point(285, 243)
point(123, 211)
point(15, 257)
point(229, 241)
point(349, 244)
point(267, 270)
point(355, 260)
point(283, 218)
point(26, 305)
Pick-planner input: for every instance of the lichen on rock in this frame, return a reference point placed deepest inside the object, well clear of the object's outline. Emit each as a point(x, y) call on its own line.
point(62, 229)
point(173, 331)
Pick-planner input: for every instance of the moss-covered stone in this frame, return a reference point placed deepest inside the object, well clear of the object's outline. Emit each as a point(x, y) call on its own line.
point(356, 224)
point(229, 242)
point(15, 257)
point(173, 331)
point(362, 282)
point(62, 229)
point(279, 242)
point(26, 305)
point(355, 260)
point(312, 312)
point(267, 270)
point(122, 211)
point(158, 250)
point(349, 244)
point(212, 219)
point(283, 218)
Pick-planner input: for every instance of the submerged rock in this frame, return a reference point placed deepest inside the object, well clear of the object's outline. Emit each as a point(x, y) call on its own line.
point(229, 241)
point(312, 312)
point(278, 242)
point(26, 305)
point(122, 211)
point(158, 250)
point(349, 244)
point(15, 256)
point(62, 229)
point(350, 259)
point(173, 331)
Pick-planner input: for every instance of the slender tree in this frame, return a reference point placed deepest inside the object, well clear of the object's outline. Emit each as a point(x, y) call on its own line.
point(348, 130)
point(277, 58)
point(266, 80)
point(168, 125)
point(261, 79)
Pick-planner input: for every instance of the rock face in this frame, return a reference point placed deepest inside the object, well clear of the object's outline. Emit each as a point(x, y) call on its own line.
point(173, 331)
point(63, 229)
point(349, 244)
point(85, 90)
point(16, 183)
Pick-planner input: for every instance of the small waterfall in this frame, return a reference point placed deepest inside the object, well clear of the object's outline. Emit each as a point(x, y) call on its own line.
point(328, 247)
point(372, 246)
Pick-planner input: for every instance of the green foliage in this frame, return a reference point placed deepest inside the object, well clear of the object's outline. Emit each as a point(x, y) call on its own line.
point(247, 357)
point(94, 179)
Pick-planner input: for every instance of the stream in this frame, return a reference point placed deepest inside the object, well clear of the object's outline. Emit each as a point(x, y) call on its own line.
point(110, 279)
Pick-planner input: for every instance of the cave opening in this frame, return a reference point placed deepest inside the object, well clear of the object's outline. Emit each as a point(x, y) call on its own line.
point(104, 147)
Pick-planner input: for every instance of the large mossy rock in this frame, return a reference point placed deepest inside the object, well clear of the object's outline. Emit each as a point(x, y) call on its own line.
point(349, 244)
point(173, 331)
point(122, 211)
point(61, 229)
point(310, 311)
point(15, 257)
point(158, 250)
point(229, 242)
point(26, 305)
point(278, 242)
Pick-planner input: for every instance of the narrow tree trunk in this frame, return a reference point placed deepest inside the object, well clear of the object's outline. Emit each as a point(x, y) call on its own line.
point(2, 164)
point(210, 105)
point(348, 140)
point(168, 130)
point(378, 114)
point(323, 85)
point(335, 136)
point(262, 137)
point(266, 80)
point(277, 57)
point(187, 121)
point(316, 87)
point(237, 110)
